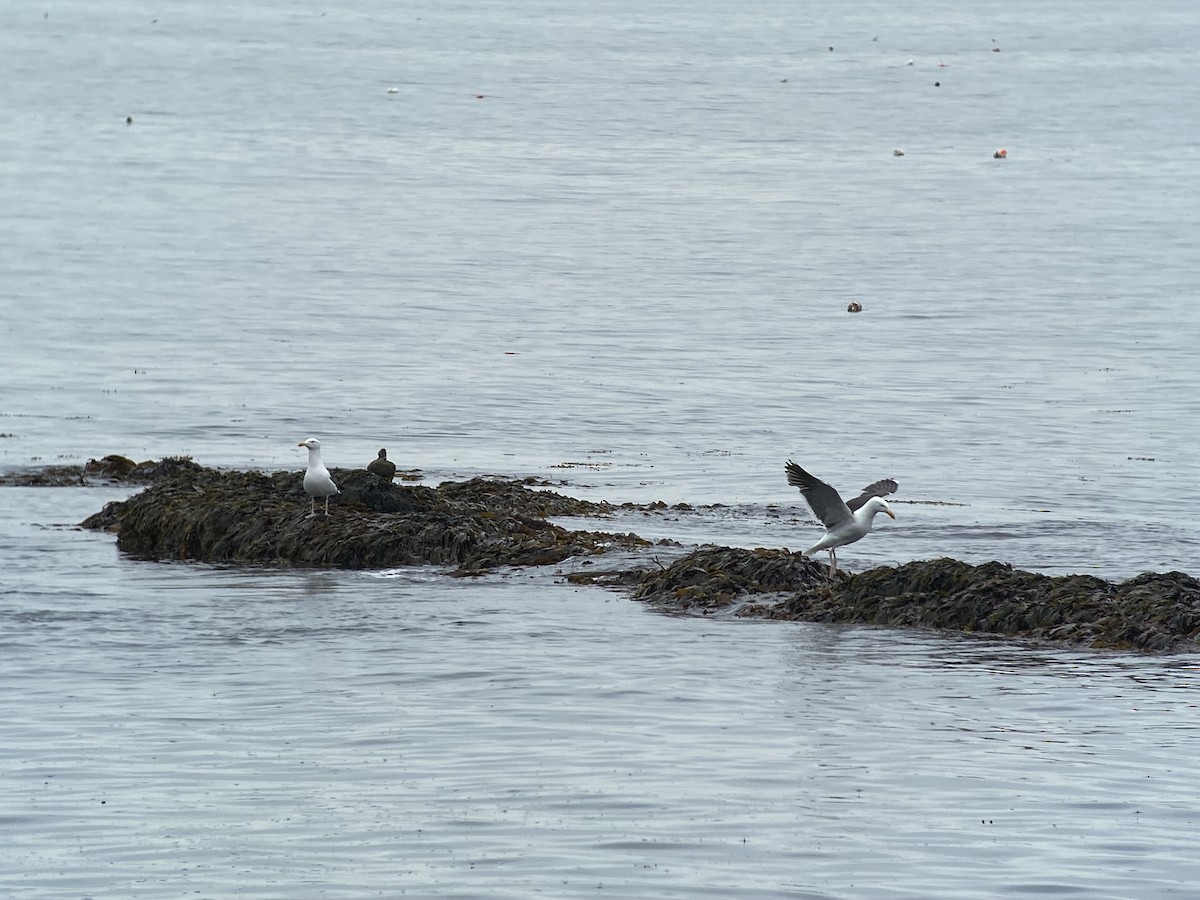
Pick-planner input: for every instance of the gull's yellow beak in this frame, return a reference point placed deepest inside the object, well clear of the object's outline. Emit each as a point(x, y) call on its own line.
point(301, 444)
point(890, 513)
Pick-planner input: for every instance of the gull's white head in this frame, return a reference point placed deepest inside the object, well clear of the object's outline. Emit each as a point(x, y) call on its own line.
point(877, 505)
point(310, 443)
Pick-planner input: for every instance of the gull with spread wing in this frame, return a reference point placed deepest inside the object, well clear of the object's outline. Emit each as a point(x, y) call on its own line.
point(845, 522)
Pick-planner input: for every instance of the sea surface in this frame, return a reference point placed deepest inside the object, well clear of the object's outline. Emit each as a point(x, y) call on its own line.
point(612, 246)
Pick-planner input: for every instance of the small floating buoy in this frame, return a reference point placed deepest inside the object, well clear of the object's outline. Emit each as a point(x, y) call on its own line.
point(393, 90)
point(854, 306)
point(909, 63)
point(1000, 154)
point(830, 49)
point(897, 152)
point(937, 84)
point(129, 120)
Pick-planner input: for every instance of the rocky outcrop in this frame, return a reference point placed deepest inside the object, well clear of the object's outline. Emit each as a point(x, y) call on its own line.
point(255, 517)
point(1150, 612)
point(110, 469)
point(191, 512)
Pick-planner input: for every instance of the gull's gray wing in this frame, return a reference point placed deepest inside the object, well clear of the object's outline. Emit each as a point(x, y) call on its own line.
point(826, 503)
point(880, 488)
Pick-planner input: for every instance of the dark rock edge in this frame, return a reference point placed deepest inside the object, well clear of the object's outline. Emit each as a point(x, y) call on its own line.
point(195, 513)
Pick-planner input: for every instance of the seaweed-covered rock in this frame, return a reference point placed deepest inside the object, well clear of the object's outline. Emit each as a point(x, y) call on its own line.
point(107, 469)
point(152, 470)
point(191, 512)
point(45, 476)
point(715, 577)
point(254, 517)
point(1150, 612)
point(112, 466)
point(487, 493)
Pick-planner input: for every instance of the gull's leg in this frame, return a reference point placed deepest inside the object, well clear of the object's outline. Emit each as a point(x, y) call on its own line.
point(312, 511)
point(326, 506)
point(832, 562)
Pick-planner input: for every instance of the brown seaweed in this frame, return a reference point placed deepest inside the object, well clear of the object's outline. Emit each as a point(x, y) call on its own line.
point(194, 513)
point(254, 517)
point(1150, 612)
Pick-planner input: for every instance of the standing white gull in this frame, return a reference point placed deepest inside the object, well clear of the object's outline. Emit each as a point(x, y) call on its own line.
point(317, 480)
point(844, 522)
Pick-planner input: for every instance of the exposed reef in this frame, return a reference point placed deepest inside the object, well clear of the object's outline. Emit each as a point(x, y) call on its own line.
point(190, 512)
point(111, 469)
point(1150, 612)
point(255, 517)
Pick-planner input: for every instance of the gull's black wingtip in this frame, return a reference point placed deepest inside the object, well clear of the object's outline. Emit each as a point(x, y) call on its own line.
point(796, 476)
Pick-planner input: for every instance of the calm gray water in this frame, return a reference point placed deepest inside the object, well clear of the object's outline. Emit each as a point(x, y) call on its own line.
point(614, 246)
